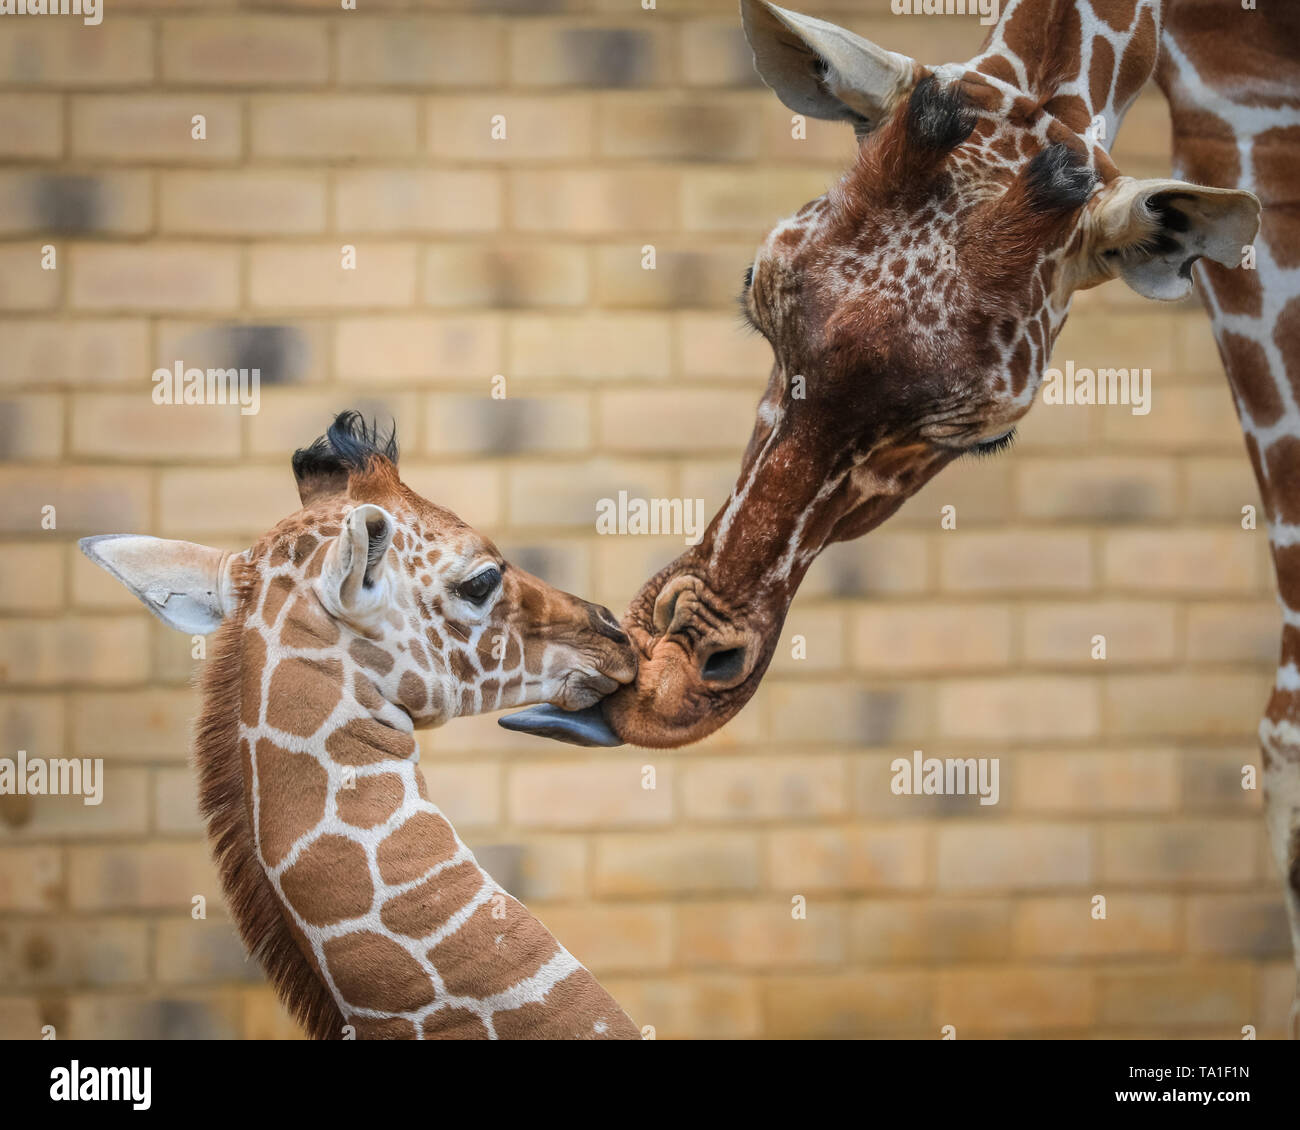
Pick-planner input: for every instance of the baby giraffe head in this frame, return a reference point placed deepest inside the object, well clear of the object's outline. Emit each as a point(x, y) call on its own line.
point(911, 309)
point(374, 593)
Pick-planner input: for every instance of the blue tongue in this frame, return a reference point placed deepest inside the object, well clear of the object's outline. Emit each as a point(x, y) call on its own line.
point(577, 727)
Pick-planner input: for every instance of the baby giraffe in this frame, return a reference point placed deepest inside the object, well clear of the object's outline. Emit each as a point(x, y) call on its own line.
point(368, 613)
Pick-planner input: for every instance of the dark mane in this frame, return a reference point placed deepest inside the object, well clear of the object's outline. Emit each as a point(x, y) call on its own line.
point(349, 445)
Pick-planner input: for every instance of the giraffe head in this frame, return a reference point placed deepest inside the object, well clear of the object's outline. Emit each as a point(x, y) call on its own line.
point(373, 584)
point(912, 308)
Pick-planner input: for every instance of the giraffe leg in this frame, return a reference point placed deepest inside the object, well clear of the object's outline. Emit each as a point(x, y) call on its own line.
point(1281, 748)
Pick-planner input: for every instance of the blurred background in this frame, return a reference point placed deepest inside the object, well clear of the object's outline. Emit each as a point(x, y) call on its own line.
point(523, 258)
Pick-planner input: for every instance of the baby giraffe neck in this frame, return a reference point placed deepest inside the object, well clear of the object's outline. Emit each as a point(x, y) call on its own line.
point(388, 907)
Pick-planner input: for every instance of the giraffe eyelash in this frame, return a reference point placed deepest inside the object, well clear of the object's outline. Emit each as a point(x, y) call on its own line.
point(992, 447)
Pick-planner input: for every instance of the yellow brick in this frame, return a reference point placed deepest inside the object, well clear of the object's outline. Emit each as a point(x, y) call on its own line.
point(1238, 925)
point(949, 931)
point(34, 722)
point(1183, 853)
point(553, 867)
point(683, 276)
point(1136, 633)
point(1006, 1001)
point(123, 812)
point(479, 425)
point(848, 858)
point(458, 274)
point(161, 876)
point(537, 127)
point(1184, 561)
point(473, 491)
point(55, 953)
point(847, 712)
point(1185, 418)
point(1233, 633)
point(86, 500)
point(31, 576)
point(154, 127)
point(840, 1006)
point(1130, 339)
point(470, 795)
point(34, 428)
point(437, 50)
point(192, 951)
point(732, 790)
point(906, 638)
point(229, 501)
point(263, 1017)
point(69, 52)
point(717, 1008)
point(1218, 490)
point(715, 345)
point(1217, 996)
point(1025, 708)
point(106, 650)
point(810, 141)
point(32, 879)
point(174, 277)
point(712, 128)
point(242, 203)
point(552, 53)
point(24, 283)
point(132, 427)
point(1014, 561)
point(884, 563)
point(149, 725)
point(326, 126)
point(1193, 705)
point(1102, 781)
point(557, 494)
point(675, 864)
point(1019, 857)
point(980, 494)
point(465, 346)
point(87, 351)
point(822, 647)
point(174, 1015)
point(415, 200)
point(684, 420)
point(290, 419)
point(714, 52)
point(244, 50)
point(290, 277)
point(1064, 927)
point(34, 202)
point(757, 935)
point(1095, 490)
point(593, 346)
point(593, 202)
point(31, 126)
point(590, 795)
point(612, 938)
point(176, 803)
point(720, 201)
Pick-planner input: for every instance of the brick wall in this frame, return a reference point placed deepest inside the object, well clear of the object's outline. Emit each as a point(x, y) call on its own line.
point(522, 257)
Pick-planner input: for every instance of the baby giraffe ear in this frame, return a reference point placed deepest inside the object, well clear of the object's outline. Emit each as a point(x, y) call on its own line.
point(1150, 232)
point(354, 561)
point(822, 70)
point(187, 586)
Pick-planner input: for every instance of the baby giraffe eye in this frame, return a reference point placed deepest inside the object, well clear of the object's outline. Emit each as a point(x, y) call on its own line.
point(481, 585)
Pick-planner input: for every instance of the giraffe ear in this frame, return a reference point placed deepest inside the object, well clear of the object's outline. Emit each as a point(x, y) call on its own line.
point(822, 70)
point(1150, 232)
point(354, 561)
point(187, 586)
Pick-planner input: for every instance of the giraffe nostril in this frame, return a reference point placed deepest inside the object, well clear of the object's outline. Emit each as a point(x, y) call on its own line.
point(724, 666)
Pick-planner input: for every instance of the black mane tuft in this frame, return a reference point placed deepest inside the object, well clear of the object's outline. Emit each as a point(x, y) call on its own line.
point(350, 444)
point(938, 117)
point(1059, 179)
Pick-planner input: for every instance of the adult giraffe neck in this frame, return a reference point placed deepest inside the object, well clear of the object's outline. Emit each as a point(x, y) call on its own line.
point(1232, 79)
point(352, 889)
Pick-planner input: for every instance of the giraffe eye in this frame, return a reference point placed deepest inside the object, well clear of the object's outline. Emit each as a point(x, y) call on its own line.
point(481, 585)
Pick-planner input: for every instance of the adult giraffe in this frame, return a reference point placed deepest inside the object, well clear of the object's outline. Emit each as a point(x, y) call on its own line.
point(369, 612)
point(914, 307)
